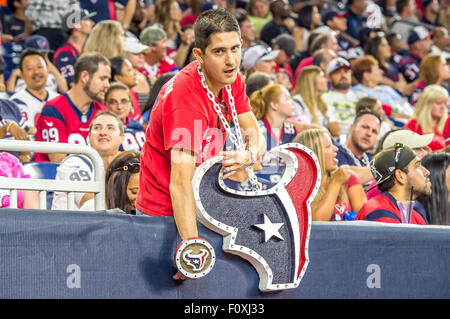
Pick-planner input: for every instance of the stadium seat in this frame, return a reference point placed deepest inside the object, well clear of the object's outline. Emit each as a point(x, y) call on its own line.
point(42, 170)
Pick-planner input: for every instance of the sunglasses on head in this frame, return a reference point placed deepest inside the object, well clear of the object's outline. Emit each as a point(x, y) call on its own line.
point(131, 167)
point(398, 150)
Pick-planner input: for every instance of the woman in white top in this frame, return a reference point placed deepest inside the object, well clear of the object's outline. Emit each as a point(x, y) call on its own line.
point(309, 106)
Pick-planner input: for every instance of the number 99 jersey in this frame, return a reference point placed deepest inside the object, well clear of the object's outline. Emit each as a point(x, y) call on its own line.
point(62, 122)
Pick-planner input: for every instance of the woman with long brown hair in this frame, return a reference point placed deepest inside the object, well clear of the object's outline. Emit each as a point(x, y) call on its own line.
point(433, 70)
point(168, 15)
point(122, 182)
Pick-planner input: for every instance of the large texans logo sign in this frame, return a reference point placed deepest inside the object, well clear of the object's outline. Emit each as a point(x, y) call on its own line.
point(269, 228)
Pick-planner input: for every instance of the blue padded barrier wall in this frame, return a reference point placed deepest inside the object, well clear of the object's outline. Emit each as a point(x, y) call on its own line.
point(57, 254)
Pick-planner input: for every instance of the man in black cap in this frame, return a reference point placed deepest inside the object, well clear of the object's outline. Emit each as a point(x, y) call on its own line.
point(400, 177)
point(77, 25)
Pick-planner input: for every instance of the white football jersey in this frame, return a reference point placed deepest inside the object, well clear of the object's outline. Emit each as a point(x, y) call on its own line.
point(73, 168)
point(30, 105)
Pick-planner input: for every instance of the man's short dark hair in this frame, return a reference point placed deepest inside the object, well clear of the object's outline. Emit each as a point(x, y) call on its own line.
point(29, 52)
point(11, 5)
point(400, 5)
point(390, 182)
point(89, 62)
point(318, 57)
point(213, 21)
point(116, 66)
point(256, 81)
point(241, 18)
point(365, 112)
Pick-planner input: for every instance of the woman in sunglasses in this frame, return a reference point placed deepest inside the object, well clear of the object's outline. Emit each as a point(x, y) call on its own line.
point(122, 182)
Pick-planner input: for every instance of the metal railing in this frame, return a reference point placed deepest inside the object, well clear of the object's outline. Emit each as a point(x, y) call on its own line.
point(50, 185)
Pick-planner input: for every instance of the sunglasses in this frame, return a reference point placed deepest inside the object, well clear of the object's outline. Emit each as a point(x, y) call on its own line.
point(131, 167)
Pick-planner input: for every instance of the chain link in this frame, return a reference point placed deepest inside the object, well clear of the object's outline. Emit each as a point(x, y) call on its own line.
point(237, 139)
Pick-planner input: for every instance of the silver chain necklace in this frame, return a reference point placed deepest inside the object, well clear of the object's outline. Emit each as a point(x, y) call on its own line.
point(236, 139)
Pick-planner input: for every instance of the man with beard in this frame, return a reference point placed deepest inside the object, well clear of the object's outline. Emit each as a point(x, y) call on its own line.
point(400, 177)
point(363, 134)
point(66, 118)
point(341, 99)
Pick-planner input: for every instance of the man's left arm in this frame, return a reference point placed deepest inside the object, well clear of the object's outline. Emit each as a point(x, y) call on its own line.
point(237, 160)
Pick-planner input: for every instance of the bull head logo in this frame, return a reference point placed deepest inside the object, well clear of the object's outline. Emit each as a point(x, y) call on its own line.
point(269, 228)
point(195, 257)
point(196, 261)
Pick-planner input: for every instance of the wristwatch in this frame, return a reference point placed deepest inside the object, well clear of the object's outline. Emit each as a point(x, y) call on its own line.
point(253, 157)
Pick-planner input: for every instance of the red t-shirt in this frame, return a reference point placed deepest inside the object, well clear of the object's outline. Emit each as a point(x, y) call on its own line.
point(446, 132)
point(183, 117)
point(135, 113)
point(384, 208)
point(438, 141)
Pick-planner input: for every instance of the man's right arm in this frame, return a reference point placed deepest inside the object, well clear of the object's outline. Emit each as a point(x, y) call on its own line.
point(181, 192)
point(182, 195)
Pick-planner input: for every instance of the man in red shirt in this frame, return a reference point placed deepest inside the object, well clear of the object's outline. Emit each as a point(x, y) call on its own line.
point(400, 177)
point(186, 124)
point(66, 118)
point(157, 62)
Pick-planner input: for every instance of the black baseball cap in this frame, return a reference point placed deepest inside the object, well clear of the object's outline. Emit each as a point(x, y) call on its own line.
point(386, 162)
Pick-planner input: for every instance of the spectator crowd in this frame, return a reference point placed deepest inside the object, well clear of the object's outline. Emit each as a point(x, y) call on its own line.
point(363, 83)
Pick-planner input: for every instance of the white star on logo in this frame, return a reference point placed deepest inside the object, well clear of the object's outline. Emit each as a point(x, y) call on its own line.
point(270, 229)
